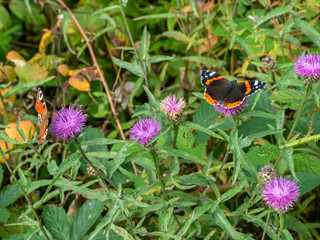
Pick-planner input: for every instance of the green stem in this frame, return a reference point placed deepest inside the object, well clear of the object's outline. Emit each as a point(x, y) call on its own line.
point(223, 161)
point(101, 174)
point(24, 194)
point(281, 216)
point(175, 134)
point(304, 100)
point(156, 164)
point(245, 210)
point(265, 228)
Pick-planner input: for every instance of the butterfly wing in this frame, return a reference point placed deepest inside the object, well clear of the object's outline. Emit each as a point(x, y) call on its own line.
point(241, 91)
point(215, 86)
point(43, 116)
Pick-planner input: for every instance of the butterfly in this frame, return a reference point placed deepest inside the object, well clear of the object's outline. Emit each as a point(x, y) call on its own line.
point(44, 116)
point(228, 94)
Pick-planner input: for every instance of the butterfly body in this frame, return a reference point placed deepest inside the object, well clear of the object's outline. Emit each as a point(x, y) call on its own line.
point(228, 94)
point(44, 116)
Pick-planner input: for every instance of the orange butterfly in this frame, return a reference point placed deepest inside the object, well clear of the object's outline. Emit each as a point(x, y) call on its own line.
point(44, 117)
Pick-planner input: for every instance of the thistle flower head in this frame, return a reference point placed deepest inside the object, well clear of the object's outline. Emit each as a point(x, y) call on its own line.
point(280, 194)
point(231, 112)
point(173, 107)
point(68, 123)
point(266, 175)
point(308, 67)
point(145, 129)
point(268, 63)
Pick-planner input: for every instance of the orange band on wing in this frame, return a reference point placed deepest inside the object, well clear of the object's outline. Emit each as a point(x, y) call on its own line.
point(248, 87)
point(210, 99)
point(232, 105)
point(213, 79)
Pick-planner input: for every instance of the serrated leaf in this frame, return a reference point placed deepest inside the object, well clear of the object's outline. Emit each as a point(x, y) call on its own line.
point(278, 11)
point(85, 218)
point(10, 195)
point(305, 162)
point(56, 221)
point(288, 156)
point(179, 153)
point(262, 154)
point(290, 96)
point(311, 32)
point(158, 58)
point(132, 67)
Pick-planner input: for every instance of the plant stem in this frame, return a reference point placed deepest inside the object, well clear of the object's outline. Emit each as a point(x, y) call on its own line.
point(281, 216)
point(245, 210)
point(223, 161)
point(265, 228)
point(25, 195)
point(175, 134)
point(101, 174)
point(156, 164)
point(304, 100)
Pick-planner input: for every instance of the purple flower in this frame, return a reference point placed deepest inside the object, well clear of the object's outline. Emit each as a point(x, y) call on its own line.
point(145, 129)
point(172, 106)
point(308, 67)
point(280, 194)
point(68, 122)
point(231, 112)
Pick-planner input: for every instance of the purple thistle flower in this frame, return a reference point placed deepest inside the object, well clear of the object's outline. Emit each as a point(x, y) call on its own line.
point(145, 129)
point(308, 67)
point(172, 106)
point(68, 122)
point(231, 112)
point(280, 194)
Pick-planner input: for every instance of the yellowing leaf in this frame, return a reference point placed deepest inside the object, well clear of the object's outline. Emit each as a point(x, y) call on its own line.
point(37, 57)
point(25, 125)
point(6, 100)
point(4, 146)
point(63, 69)
point(80, 83)
point(31, 72)
point(9, 72)
point(46, 39)
point(16, 58)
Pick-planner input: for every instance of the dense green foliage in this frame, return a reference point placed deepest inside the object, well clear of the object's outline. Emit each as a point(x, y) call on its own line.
point(198, 179)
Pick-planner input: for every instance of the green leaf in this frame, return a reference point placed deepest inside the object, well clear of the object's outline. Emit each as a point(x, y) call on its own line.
point(246, 142)
point(4, 215)
point(5, 18)
point(206, 61)
point(287, 154)
point(233, 191)
point(298, 226)
point(308, 30)
point(278, 11)
point(290, 96)
point(132, 67)
point(56, 221)
point(70, 161)
point(221, 220)
point(201, 129)
point(305, 162)
point(237, 154)
point(262, 154)
point(26, 86)
point(1, 175)
point(143, 48)
point(158, 58)
point(151, 97)
point(307, 182)
point(179, 153)
point(177, 35)
point(10, 195)
point(121, 232)
point(85, 218)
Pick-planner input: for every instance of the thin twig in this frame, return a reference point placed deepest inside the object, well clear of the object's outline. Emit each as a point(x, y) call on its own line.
point(103, 80)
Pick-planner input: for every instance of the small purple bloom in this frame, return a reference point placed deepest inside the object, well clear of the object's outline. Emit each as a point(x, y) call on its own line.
point(280, 194)
point(172, 106)
point(308, 66)
point(145, 129)
point(231, 112)
point(68, 122)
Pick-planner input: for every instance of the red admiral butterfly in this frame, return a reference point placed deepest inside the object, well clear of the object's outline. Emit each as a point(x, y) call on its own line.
point(228, 94)
point(44, 116)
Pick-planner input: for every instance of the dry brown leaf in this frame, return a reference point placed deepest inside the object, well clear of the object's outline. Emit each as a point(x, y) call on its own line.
point(25, 125)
